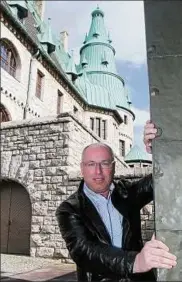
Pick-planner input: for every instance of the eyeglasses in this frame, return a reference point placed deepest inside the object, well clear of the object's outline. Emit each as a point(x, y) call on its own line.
point(103, 164)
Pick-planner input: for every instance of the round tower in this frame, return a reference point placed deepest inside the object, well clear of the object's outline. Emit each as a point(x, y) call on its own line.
point(102, 85)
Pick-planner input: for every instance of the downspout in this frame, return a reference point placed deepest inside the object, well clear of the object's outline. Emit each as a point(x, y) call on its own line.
point(29, 80)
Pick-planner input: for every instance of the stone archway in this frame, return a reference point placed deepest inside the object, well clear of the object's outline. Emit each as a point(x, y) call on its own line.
point(16, 215)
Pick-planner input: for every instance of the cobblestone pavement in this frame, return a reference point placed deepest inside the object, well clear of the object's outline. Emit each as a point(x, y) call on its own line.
point(23, 268)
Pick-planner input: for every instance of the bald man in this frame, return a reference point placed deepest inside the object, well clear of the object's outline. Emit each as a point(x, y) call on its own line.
point(101, 224)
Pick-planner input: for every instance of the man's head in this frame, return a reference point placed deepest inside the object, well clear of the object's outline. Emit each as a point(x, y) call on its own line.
point(98, 167)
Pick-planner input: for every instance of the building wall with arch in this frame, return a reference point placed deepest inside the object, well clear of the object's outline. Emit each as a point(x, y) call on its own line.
point(43, 155)
point(18, 93)
point(15, 89)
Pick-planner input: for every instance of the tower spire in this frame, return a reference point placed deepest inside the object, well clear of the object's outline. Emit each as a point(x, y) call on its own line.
point(97, 58)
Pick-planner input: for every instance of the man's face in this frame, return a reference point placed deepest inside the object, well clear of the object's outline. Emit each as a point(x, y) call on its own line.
point(96, 177)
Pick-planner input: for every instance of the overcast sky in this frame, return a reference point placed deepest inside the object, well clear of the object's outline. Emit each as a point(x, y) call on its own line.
point(125, 22)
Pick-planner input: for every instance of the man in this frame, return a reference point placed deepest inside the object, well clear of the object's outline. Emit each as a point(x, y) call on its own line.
point(101, 226)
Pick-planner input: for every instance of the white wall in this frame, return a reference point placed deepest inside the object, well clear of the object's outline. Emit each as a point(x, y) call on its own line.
point(47, 105)
point(126, 130)
point(18, 86)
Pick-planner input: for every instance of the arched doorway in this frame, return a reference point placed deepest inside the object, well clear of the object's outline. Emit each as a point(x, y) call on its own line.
point(15, 218)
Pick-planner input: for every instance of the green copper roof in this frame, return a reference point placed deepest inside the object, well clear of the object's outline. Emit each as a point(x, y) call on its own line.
point(95, 78)
point(47, 38)
point(71, 68)
point(136, 154)
point(97, 12)
point(90, 92)
point(97, 29)
point(20, 5)
point(97, 58)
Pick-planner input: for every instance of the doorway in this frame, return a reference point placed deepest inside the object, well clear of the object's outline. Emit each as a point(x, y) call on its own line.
point(15, 218)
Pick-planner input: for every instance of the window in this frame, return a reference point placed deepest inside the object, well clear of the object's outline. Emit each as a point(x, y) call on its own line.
point(125, 119)
point(59, 102)
point(20, 17)
point(8, 59)
point(98, 127)
point(103, 129)
point(39, 85)
point(122, 148)
point(4, 115)
point(92, 123)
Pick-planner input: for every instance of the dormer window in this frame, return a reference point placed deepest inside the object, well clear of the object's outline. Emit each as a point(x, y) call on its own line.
point(104, 59)
point(21, 19)
point(21, 8)
point(105, 62)
point(95, 34)
point(84, 62)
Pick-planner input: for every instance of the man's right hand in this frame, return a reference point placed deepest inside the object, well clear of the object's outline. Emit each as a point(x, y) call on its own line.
point(154, 254)
point(148, 135)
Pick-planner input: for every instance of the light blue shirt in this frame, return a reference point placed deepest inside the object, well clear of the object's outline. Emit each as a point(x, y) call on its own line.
point(109, 215)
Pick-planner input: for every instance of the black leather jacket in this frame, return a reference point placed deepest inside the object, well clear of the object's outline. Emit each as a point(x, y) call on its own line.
point(88, 241)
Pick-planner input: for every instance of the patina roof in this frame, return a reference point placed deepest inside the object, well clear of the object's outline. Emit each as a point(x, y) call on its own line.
point(136, 154)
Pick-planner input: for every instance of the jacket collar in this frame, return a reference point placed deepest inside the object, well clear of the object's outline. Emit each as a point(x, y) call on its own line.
point(91, 214)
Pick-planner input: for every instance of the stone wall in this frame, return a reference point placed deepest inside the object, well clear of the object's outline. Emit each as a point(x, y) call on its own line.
point(43, 155)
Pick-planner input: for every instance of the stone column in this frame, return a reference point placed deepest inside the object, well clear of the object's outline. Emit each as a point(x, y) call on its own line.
point(164, 51)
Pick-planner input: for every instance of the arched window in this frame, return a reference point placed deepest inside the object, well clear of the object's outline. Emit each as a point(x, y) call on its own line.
point(4, 114)
point(8, 58)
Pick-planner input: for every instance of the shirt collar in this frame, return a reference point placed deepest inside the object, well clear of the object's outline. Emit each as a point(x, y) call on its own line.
point(97, 195)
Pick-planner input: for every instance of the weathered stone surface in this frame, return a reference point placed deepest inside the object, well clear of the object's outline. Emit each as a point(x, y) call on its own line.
point(45, 252)
point(164, 24)
point(5, 162)
point(50, 171)
point(14, 165)
point(29, 177)
point(47, 229)
point(45, 196)
point(164, 43)
point(40, 208)
point(39, 172)
point(35, 228)
point(61, 253)
point(34, 164)
point(36, 196)
point(37, 219)
point(173, 239)
point(168, 191)
point(166, 105)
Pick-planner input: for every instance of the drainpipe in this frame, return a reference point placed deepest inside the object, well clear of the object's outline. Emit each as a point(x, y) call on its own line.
point(35, 56)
